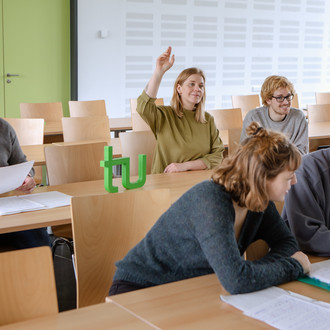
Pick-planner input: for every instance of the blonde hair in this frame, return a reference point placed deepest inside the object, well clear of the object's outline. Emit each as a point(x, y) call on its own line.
point(176, 102)
point(260, 157)
point(271, 84)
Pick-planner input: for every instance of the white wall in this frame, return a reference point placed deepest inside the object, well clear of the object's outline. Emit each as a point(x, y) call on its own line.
point(238, 43)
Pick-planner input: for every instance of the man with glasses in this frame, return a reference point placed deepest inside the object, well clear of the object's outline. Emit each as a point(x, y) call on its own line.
point(276, 113)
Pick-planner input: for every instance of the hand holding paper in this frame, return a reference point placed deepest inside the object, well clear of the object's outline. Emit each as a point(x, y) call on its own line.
point(13, 176)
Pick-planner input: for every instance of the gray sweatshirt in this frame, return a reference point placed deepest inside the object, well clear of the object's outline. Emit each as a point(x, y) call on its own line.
point(307, 205)
point(294, 126)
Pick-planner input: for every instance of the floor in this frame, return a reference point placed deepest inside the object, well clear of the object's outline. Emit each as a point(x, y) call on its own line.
point(65, 277)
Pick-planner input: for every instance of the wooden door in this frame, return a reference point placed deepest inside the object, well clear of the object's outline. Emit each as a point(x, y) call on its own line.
point(36, 48)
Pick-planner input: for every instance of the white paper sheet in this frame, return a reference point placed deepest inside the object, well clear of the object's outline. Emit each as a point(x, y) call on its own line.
point(12, 177)
point(282, 309)
point(32, 202)
point(321, 271)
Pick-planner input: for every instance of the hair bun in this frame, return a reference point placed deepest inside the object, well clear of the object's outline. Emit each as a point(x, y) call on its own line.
point(253, 129)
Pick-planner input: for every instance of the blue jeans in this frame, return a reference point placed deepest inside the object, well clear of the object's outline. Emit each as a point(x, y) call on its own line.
point(25, 239)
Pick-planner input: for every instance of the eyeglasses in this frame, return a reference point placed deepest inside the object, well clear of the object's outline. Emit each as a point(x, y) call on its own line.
point(280, 99)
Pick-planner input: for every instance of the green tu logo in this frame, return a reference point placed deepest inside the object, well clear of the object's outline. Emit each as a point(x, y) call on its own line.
point(109, 162)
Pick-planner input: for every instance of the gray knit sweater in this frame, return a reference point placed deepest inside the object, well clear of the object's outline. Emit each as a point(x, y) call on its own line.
point(10, 150)
point(195, 236)
point(294, 126)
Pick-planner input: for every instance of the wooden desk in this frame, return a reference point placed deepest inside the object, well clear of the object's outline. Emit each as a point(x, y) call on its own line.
point(54, 132)
point(36, 152)
point(195, 304)
point(178, 183)
point(102, 316)
point(319, 130)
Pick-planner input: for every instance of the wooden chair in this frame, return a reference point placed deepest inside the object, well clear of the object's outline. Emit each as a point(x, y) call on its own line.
point(295, 101)
point(234, 135)
point(318, 113)
point(50, 112)
point(105, 228)
point(27, 285)
point(227, 118)
point(322, 98)
point(87, 108)
point(29, 131)
point(138, 124)
point(73, 163)
point(86, 128)
point(245, 102)
point(136, 143)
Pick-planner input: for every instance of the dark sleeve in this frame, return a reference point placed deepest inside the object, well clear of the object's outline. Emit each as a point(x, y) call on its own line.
point(304, 209)
point(221, 250)
point(16, 154)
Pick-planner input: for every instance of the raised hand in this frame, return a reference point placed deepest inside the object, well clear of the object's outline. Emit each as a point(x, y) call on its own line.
point(165, 61)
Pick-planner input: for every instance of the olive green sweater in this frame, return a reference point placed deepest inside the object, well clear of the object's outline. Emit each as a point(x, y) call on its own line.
point(180, 139)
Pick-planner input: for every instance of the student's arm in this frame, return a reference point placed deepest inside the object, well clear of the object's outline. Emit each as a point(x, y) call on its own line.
point(164, 62)
point(305, 210)
point(300, 137)
point(220, 248)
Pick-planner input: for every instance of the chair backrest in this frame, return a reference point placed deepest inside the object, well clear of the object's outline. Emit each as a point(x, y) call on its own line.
point(227, 118)
point(105, 228)
point(295, 101)
point(322, 98)
point(138, 124)
point(85, 128)
point(136, 143)
point(234, 135)
point(29, 131)
point(318, 113)
point(74, 163)
point(87, 108)
point(50, 112)
point(245, 102)
point(27, 285)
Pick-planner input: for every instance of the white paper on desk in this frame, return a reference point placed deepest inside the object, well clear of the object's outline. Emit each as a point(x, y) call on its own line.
point(321, 271)
point(13, 176)
point(282, 309)
point(49, 199)
point(24, 203)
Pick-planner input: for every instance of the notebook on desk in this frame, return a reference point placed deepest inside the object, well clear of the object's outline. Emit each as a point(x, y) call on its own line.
point(319, 275)
point(33, 202)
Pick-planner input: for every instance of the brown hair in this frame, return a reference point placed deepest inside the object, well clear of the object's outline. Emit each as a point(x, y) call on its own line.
point(260, 157)
point(271, 84)
point(176, 99)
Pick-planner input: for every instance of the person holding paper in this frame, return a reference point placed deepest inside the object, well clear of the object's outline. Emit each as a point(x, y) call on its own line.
point(307, 208)
point(11, 154)
point(210, 227)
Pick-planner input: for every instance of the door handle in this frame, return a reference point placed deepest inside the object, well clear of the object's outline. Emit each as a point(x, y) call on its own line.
point(12, 75)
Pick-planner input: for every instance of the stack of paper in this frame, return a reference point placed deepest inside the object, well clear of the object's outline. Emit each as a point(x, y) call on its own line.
point(282, 309)
point(319, 275)
point(32, 202)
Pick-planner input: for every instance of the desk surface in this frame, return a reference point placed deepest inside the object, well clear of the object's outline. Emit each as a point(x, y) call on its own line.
point(102, 316)
point(319, 130)
point(36, 152)
point(116, 124)
point(195, 304)
point(178, 183)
